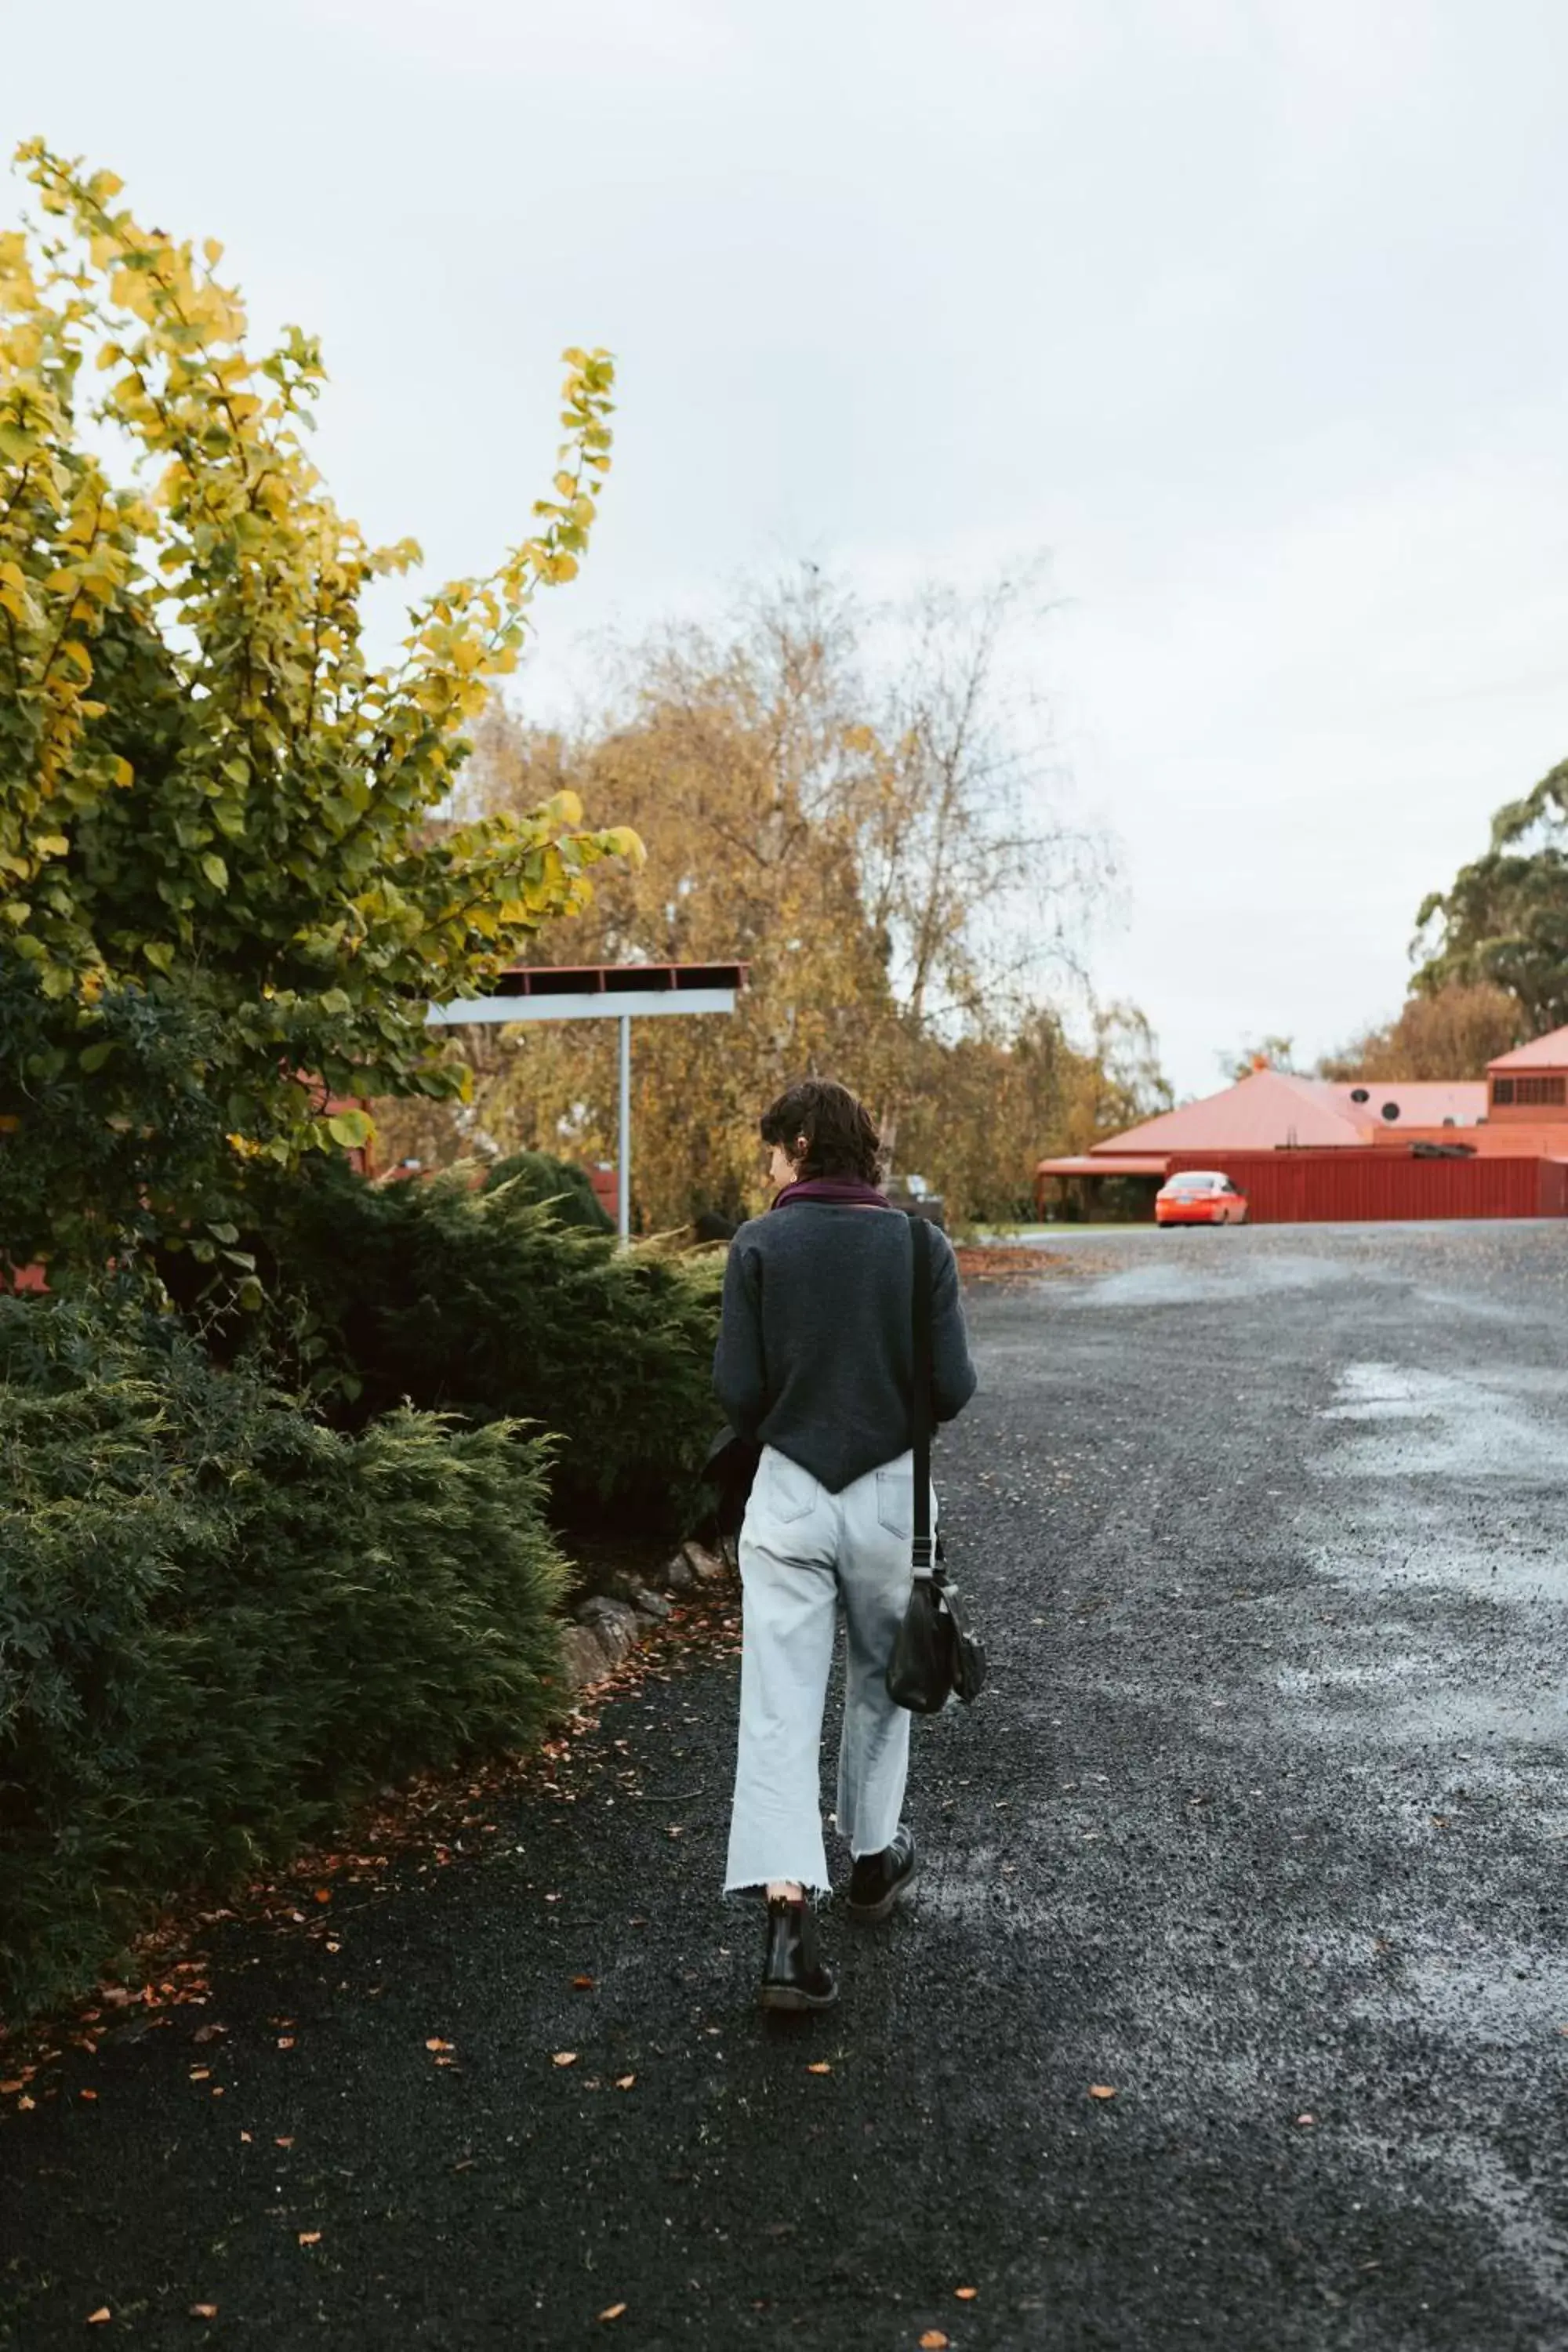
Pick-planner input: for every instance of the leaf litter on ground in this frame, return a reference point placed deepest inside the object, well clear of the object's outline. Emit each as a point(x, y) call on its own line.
point(428, 1815)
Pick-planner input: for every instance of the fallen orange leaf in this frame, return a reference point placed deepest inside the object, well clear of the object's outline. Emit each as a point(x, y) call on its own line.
point(102, 2311)
point(614, 2312)
point(565, 2058)
point(201, 2073)
point(324, 1894)
point(309, 2237)
point(582, 1984)
point(436, 2042)
point(203, 2311)
point(19, 2085)
point(1101, 2091)
point(819, 2066)
point(966, 2294)
point(624, 2081)
point(933, 2340)
point(86, 2095)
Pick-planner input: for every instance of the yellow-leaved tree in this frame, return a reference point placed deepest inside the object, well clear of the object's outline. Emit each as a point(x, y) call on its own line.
point(224, 904)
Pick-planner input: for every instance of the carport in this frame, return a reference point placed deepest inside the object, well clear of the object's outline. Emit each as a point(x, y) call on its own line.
point(1081, 1178)
point(602, 991)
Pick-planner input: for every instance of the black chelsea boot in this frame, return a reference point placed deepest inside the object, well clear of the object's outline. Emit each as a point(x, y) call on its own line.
point(794, 1974)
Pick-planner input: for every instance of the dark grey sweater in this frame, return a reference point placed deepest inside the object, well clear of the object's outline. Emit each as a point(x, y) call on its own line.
point(816, 1353)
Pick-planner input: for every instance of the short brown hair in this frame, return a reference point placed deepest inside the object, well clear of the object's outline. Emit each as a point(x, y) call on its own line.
point(840, 1139)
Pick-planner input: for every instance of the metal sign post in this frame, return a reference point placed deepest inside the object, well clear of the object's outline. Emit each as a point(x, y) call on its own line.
point(604, 992)
point(623, 1135)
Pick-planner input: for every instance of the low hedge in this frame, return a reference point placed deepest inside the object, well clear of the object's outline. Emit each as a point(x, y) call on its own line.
point(567, 1188)
point(481, 1303)
point(221, 1622)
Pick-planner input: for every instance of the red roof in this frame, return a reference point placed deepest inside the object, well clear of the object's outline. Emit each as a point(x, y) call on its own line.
point(1270, 1110)
point(1548, 1052)
point(1257, 1113)
point(1422, 1102)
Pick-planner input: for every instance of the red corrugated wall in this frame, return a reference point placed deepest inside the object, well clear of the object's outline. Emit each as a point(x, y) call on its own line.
point(1300, 1188)
point(606, 1184)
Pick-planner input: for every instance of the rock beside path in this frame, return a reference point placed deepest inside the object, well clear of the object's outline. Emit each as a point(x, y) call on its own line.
point(608, 1627)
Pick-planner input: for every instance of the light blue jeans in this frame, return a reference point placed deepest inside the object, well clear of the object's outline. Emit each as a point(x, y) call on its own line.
point(803, 1552)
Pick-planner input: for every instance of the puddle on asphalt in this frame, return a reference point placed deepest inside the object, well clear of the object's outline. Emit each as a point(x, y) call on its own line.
point(1317, 1681)
point(1420, 1423)
point(1443, 1482)
point(1381, 1392)
point(1528, 2246)
point(1498, 2004)
point(1506, 1995)
point(1402, 1547)
point(1529, 1724)
point(1407, 1704)
point(1186, 1282)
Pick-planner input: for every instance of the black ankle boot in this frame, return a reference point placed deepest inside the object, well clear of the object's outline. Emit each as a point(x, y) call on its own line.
point(880, 1881)
point(794, 1974)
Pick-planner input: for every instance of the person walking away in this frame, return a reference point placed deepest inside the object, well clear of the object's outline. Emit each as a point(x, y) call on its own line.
point(815, 1363)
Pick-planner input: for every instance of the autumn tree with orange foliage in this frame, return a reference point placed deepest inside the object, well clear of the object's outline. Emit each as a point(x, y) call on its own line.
point(1452, 1033)
point(864, 829)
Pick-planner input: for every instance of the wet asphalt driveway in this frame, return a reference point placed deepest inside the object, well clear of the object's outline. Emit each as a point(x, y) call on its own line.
point(1262, 1828)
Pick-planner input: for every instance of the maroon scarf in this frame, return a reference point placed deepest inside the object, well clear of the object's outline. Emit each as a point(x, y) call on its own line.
point(843, 1191)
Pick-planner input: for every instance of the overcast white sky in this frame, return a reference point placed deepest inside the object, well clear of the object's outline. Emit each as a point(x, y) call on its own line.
point(1250, 313)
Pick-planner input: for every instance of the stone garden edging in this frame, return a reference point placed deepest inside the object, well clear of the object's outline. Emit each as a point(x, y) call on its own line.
point(605, 1630)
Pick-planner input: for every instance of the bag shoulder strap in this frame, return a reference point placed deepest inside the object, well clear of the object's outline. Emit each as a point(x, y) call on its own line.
point(920, 1315)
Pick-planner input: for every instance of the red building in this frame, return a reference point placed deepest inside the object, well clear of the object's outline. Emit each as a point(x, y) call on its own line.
point(1305, 1151)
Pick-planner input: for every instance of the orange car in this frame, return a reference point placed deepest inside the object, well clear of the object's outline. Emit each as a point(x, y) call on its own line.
point(1202, 1197)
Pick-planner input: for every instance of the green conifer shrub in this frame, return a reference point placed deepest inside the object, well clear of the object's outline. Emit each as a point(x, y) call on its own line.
point(561, 1182)
point(481, 1303)
point(222, 1623)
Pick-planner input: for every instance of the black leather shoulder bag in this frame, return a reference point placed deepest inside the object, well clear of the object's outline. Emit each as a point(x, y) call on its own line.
point(934, 1658)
